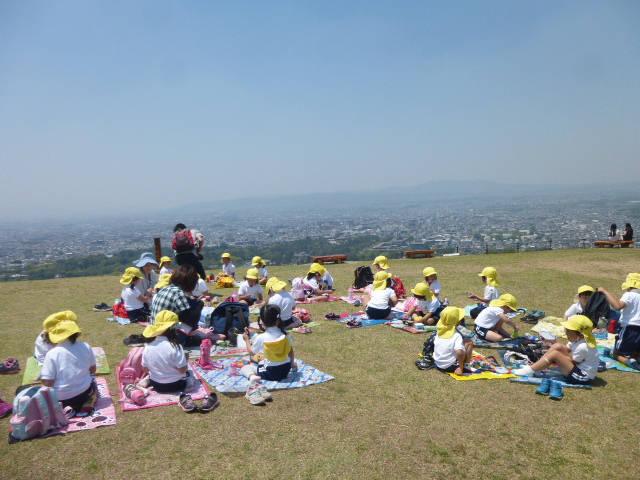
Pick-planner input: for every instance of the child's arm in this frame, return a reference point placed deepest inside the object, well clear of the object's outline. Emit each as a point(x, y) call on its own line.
point(411, 311)
point(505, 319)
point(247, 340)
point(393, 301)
point(613, 301)
point(461, 354)
point(477, 298)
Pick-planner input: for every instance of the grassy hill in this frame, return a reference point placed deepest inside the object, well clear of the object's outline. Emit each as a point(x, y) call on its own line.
point(380, 418)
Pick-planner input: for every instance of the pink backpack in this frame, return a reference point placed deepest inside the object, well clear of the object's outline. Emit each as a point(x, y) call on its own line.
point(131, 367)
point(36, 412)
point(297, 289)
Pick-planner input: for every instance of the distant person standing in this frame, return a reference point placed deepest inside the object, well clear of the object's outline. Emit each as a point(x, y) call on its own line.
point(614, 233)
point(627, 234)
point(187, 244)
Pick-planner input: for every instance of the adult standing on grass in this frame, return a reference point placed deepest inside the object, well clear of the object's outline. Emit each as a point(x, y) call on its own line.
point(187, 245)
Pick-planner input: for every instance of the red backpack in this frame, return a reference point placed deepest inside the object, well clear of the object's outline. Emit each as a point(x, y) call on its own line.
point(398, 287)
point(131, 367)
point(183, 241)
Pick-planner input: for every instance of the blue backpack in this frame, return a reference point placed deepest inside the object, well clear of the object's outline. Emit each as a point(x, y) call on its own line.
point(36, 411)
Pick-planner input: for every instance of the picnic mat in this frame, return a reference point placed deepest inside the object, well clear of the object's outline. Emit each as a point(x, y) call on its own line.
point(401, 326)
point(157, 399)
point(224, 382)
point(504, 344)
point(481, 376)
point(538, 381)
point(364, 319)
point(353, 299)
point(104, 413)
point(32, 369)
point(330, 298)
point(125, 321)
point(468, 309)
point(611, 363)
point(217, 351)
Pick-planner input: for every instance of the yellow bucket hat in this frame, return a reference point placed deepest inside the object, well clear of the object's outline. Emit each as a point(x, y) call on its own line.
point(129, 274)
point(586, 288)
point(61, 326)
point(382, 261)
point(581, 324)
point(252, 273)
point(449, 318)
point(380, 280)
point(429, 271)
point(633, 281)
point(274, 284)
point(317, 268)
point(255, 261)
point(226, 255)
point(164, 320)
point(165, 281)
point(165, 259)
point(422, 289)
point(506, 300)
point(492, 276)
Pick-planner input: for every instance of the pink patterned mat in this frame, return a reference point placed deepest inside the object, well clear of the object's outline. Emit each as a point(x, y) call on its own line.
point(156, 399)
point(330, 298)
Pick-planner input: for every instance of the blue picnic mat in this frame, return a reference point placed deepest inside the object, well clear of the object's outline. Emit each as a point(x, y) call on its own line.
point(366, 322)
point(538, 381)
point(611, 363)
point(223, 382)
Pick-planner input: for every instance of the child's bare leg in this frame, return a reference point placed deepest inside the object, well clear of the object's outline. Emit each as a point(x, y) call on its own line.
point(554, 356)
point(494, 336)
point(468, 347)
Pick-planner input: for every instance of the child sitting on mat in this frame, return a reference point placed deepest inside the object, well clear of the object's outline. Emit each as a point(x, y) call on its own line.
point(165, 266)
point(451, 352)
point(250, 291)
point(584, 294)
point(327, 278)
point(228, 268)
point(426, 309)
point(277, 347)
point(382, 298)
point(489, 277)
point(261, 266)
point(490, 320)
point(431, 277)
point(312, 284)
point(43, 342)
point(284, 300)
point(578, 360)
point(70, 366)
point(134, 301)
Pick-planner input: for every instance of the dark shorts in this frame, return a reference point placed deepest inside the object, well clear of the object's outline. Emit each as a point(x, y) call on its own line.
point(169, 387)
point(286, 323)
point(274, 373)
point(481, 332)
point(378, 313)
point(450, 368)
point(139, 314)
point(476, 310)
point(577, 377)
point(79, 400)
point(251, 301)
point(628, 341)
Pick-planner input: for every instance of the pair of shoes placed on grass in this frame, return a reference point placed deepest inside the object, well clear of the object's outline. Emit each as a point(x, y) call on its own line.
point(550, 388)
point(5, 408)
point(9, 366)
point(332, 316)
point(258, 394)
point(208, 404)
point(102, 307)
point(302, 329)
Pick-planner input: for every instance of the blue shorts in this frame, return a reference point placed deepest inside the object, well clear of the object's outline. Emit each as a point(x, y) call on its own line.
point(274, 373)
point(577, 377)
point(378, 313)
point(450, 369)
point(481, 332)
point(628, 341)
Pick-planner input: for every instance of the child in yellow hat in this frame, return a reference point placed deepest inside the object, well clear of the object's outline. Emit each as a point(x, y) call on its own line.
point(250, 291)
point(489, 276)
point(165, 266)
point(382, 298)
point(263, 273)
point(228, 268)
point(627, 347)
point(427, 308)
point(284, 300)
point(134, 300)
point(70, 366)
point(490, 321)
point(312, 284)
point(431, 278)
point(578, 360)
point(451, 352)
point(582, 298)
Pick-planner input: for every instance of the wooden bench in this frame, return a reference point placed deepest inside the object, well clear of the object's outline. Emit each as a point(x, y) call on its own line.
point(329, 259)
point(419, 253)
point(609, 243)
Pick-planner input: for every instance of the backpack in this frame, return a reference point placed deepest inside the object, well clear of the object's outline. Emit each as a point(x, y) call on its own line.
point(36, 412)
point(119, 310)
point(364, 277)
point(297, 289)
point(131, 367)
point(597, 306)
point(426, 361)
point(229, 318)
point(398, 287)
point(183, 241)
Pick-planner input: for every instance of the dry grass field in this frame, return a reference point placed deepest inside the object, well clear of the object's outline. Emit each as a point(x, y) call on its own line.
point(380, 418)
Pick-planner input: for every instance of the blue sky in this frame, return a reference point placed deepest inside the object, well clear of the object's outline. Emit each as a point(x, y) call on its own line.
point(125, 106)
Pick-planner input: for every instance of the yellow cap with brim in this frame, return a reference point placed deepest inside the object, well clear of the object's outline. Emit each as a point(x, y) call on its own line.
point(165, 281)
point(252, 273)
point(164, 321)
point(492, 276)
point(581, 324)
point(586, 288)
point(226, 255)
point(506, 300)
point(380, 280)
point(382, 262)
point(165, 259)
point(317, 268)
point(255, 261)
point(61, 326)
point(633, 281)
point(427, 272)
point(274, 284)
point(130, 274)
point(422, 289)
point(449, 318)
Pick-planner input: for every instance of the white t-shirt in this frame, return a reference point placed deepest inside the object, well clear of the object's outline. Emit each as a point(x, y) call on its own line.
point(630, 314)
point(246, 289)
point(68, 365)
point(163, 359)
point(575, 309)
point(428, 305)
point(285, 301)
point(229, 269)
point(42, 347)
point(489, 317)
point(165, 270)
point(201, 287)
point(444, 350)
point(263, 272)
point(491, 293)
point(130, 298)
point(310, 284)
point(436, 287)
point(587, 358)
point(328, 279)
point(271, 334)
point(380, 298)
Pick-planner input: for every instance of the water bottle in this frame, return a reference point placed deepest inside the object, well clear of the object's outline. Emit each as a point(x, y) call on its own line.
point(350, 293)
point(207, 321)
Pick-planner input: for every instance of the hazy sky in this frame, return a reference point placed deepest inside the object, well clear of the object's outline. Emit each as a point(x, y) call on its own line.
point(125, 106)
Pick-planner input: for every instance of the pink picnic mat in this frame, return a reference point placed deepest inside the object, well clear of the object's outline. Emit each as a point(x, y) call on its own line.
point(330, 298)
point(156, 399)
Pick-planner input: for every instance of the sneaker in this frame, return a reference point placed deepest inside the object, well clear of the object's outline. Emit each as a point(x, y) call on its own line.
point(264, 393)
point(555, 392)
point(544, 387)
point(103, 307)
point(357, 303)
point(633, 363)
point(526, 371)
point(209, 403)
point(254, 396)
point(5, 408)
point(187, 404)
point(135, 340)
point(465, 332)
point(10, 366)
